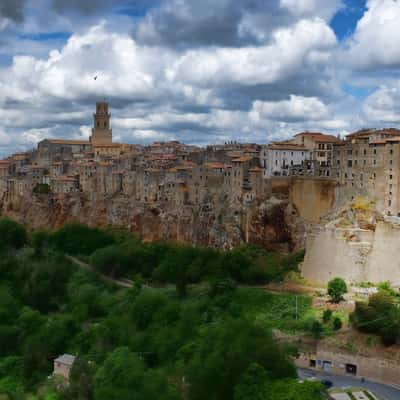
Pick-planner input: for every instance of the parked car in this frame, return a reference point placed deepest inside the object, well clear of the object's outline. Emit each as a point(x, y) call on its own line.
point(328, 384)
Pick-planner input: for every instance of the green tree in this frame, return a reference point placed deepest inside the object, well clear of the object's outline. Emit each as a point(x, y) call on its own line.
point(12, 234)
point(226, 351)
point(327, 315)
point(337, 324)
point(336, 289)
point(110, 260)
point(293, 390)
point(317, 329)
point(123, 376)
point(80, 239)
point(252, 385)
point(81, 380)
point(40, 241)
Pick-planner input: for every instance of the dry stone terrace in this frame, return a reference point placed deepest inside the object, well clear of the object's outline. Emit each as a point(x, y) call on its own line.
point(364, 163)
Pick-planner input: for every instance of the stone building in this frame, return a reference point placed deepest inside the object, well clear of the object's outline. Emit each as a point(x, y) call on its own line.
point(368, 163)
point(277, 158)
point(4, 168)
point(64, 184)
point(318, 144)
point(63, 365)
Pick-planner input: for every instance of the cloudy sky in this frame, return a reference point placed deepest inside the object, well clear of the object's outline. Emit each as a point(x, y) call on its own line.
point(197, 71)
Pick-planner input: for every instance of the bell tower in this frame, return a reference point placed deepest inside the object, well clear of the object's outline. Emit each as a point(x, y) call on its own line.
point(101, 132)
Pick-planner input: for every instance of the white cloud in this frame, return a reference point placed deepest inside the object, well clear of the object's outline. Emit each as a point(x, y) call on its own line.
point(383, 106)
point(256, 65)
point(375, 40)
point(296, 108)
point(324, 9)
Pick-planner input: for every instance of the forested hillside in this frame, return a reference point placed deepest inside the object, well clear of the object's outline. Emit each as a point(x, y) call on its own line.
point(190, 327)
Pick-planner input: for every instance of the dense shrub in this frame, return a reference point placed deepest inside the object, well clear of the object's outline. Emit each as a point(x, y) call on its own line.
point(80, 239)
point(12, 234)
point(381, 316)
point(336, 289)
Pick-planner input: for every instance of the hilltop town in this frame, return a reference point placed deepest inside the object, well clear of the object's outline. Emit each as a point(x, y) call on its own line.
point(220, 195)
point(365, 162)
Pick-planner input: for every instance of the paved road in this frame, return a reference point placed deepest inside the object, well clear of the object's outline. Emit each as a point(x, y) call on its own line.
point(384, 392)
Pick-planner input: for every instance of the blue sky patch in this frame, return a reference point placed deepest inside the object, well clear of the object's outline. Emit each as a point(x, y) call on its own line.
point(345, 21)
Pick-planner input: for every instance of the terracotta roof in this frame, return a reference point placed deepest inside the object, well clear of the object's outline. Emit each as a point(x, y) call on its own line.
point(242, 159)
point(4, 163)
point(286, 146)
point(326, 139)
point(66, 178)
point(105, 146)
point(319, 137)
point(306, 133)
point(255, 169)
point(214, 165)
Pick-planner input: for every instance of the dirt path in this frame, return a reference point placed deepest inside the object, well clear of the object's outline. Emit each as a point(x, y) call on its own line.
point(125, 283)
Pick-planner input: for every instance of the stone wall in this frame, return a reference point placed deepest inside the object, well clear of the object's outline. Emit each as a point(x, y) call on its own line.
point(373, 368)
point(356, 255)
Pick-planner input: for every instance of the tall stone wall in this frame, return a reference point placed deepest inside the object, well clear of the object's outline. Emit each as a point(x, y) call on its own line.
point(312, 197)
point(356, 255)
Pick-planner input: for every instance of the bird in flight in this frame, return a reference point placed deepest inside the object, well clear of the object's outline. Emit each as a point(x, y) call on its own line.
point(95, 78)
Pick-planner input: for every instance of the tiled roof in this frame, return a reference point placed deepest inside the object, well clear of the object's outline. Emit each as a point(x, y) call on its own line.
point(242, 159)
point(286, 146)
point(66, 359)
point(214, 165)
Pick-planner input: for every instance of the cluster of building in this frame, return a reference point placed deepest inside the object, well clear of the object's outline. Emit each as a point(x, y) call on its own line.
point(365, 162)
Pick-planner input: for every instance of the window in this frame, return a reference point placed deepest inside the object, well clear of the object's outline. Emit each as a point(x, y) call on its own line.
point(374, 162)
point(365, 152)
point(374, 151)
point(391, 151)
point(390, 176)
point(365, 162)
point(390, 162)
point(349, 152)
point(349, 163)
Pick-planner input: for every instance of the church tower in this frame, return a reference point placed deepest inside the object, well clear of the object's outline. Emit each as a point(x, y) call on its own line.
point(101, 132)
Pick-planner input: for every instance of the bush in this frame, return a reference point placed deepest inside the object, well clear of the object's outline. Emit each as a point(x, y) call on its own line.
point(41, 188)
point(380, 316)
point(80, 239)
point(111, 261)
point(327, 315)
point(317, 329)
point(336, 289)
point(337, 324)
point(12, 234)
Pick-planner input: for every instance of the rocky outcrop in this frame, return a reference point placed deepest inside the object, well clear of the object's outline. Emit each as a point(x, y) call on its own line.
point(356, 243)
point(272, 223)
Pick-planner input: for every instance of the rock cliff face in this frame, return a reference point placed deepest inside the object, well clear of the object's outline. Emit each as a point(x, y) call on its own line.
point(357, 243)
point(272, 223)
